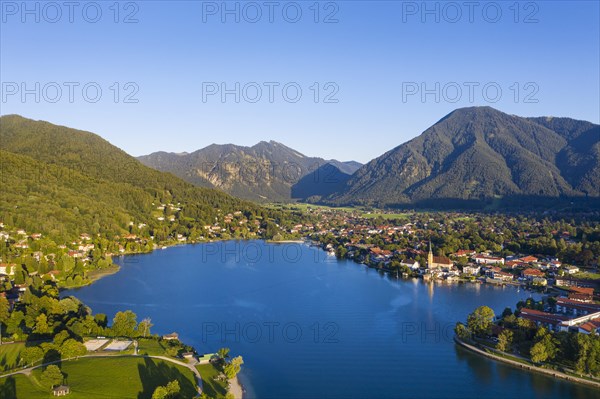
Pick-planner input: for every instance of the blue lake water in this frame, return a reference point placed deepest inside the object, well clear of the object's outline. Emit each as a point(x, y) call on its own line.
point(311, 326)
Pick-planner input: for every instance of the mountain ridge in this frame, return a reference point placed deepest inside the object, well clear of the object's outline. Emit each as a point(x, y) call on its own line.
point(480, 153)
point(266, 171)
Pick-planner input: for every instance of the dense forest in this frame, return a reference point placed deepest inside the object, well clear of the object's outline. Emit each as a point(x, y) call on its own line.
point(64, 182)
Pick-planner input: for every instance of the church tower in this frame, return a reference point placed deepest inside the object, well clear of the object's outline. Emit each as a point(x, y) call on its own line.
point(430, 257)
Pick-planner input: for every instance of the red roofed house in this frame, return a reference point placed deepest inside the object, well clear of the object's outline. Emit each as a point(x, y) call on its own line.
point(577, 308)
point(581, 297)
point(530, 273)
point(464, 252)
point(549, 320)
point(590, 327)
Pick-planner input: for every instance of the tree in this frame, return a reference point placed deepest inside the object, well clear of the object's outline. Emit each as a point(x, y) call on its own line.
point(544, 348)
point(69, 305)
point(13, 326)
point(101, 319)
point(171, 390)
point(223, 353)
point(52, 376)
point(41, 324)
point(583, 349)
point(61, 337)
point(538, 353)
point(124, 324)
point(160, 393)
point(480, 321)
point(144, 327)
point(504, 340)
point(4, 313)
point(506, 312)
point(233, 368)
point(72, 348)
point(31, 354)
point(462, 331)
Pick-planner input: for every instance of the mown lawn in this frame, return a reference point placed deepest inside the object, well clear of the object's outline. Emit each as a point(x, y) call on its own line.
point(125, 377)
point(150, 347)
point(21, 386)
point(587, 275)
point(214, 389)
point(9, 355)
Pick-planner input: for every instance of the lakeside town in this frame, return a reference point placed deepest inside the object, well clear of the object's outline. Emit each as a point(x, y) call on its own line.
point(535, 253)
point(556, 257)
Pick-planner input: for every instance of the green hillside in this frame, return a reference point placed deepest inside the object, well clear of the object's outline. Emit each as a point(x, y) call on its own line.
point(480, 153)
point(62, 182)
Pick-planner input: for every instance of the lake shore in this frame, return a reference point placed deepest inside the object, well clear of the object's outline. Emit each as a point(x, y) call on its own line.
point(95, 275)
point(236, 388)
point(140, 289)
point(552, 373)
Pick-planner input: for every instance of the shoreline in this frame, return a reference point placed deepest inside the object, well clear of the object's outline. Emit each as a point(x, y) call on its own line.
point(236, 388)
point(535, 369)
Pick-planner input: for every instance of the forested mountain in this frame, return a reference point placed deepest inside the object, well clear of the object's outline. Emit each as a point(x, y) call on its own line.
point(326, 180)
point(63, 182)
point(267, 171)
point(480, 153)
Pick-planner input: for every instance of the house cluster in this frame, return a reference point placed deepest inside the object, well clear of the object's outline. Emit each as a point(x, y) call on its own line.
point(525, 269)
point(577, 312)
point(80, 249)
point(377, 245)
point(19, 238)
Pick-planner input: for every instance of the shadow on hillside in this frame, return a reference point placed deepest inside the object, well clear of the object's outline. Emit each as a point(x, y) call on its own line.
point(8, 388)
point(512, 203)
point(154, 374)
point(519, 203)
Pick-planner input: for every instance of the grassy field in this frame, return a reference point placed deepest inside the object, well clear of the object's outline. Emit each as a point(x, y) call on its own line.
point(126, 377)
point(587, 275)
point(386, 216)
point(303, 207)
point(151, 347)
point(9, 355)
point(214, 389)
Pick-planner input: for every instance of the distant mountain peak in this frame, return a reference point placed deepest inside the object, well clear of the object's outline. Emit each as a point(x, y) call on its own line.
point(474, 153)
point(268, 170)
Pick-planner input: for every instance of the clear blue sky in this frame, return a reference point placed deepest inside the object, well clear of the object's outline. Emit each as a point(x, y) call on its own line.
point(374, 55)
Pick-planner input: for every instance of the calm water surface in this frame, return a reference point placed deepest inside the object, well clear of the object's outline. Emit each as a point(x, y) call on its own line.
point(311, 326)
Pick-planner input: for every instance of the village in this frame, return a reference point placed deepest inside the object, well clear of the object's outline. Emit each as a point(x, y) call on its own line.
point(437, 247)
point(440, 247)
point(407, 250)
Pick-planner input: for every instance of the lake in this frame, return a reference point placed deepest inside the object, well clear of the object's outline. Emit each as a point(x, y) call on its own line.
point(311, 326)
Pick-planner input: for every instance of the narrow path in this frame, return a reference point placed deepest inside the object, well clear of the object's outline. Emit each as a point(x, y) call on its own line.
point(552, 373)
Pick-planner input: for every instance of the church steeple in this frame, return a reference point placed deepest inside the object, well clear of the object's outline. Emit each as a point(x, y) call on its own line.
point(430, 257)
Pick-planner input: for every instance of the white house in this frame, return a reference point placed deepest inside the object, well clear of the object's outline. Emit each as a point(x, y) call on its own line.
point(413, 264)
point(571, 269)
point(473, 270)
point(488, 260)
